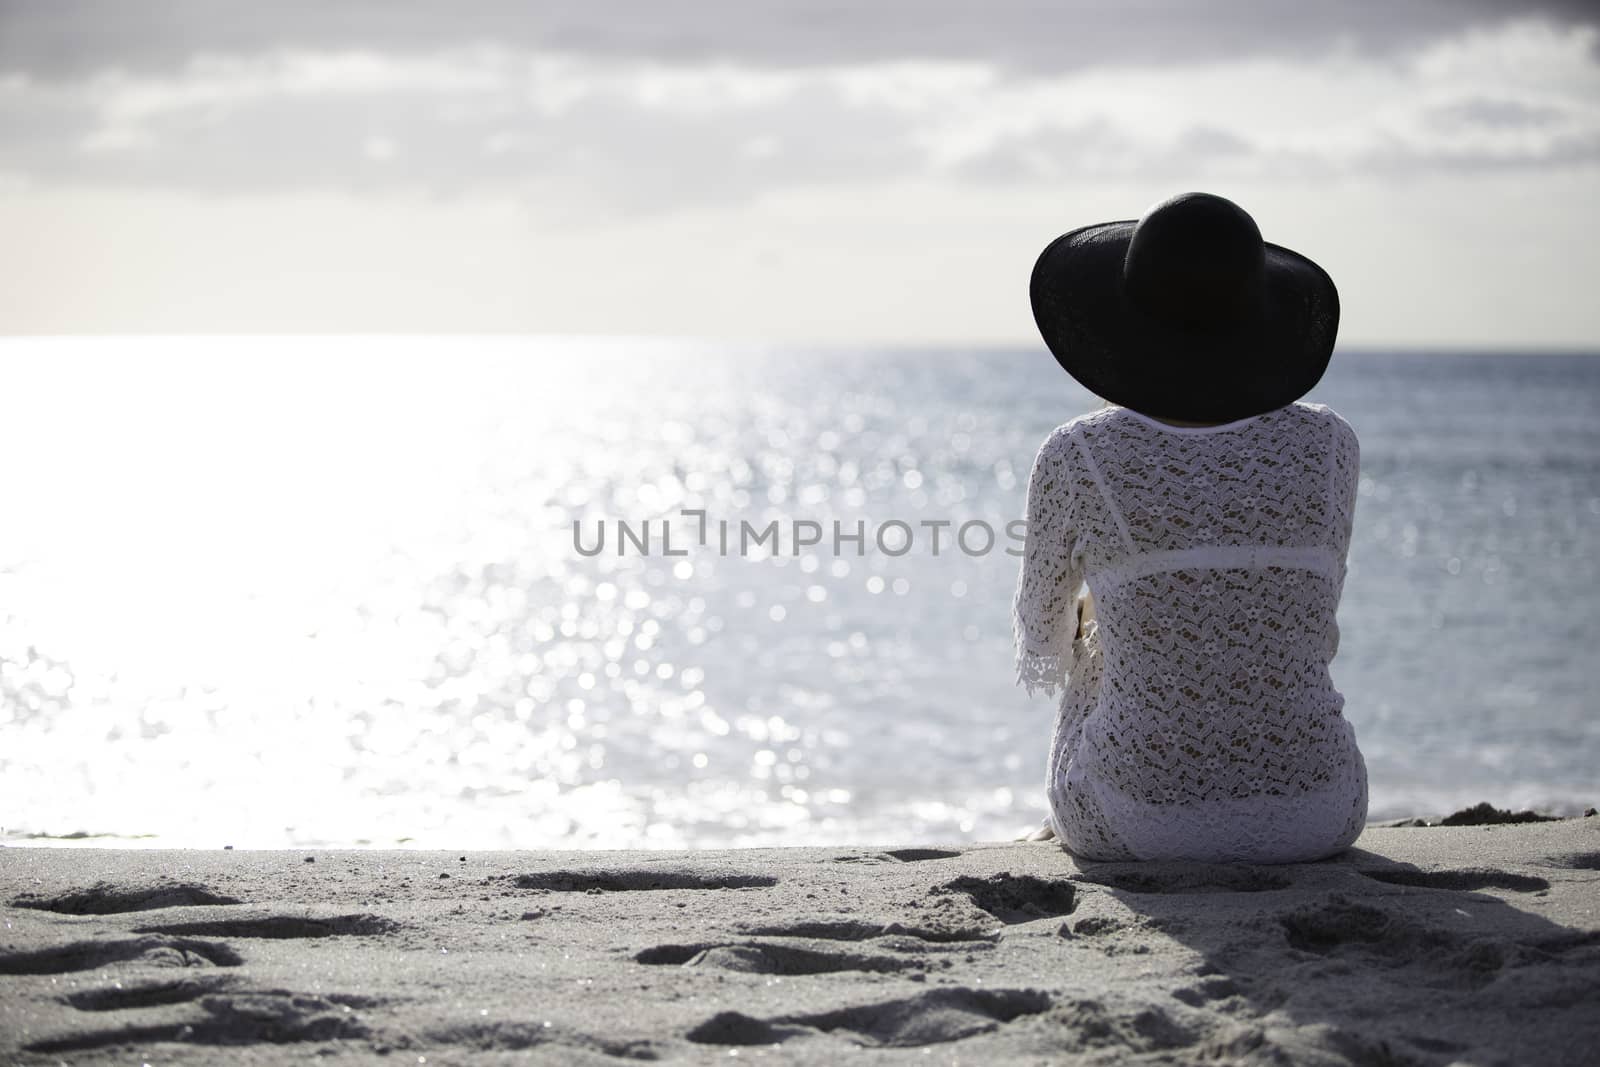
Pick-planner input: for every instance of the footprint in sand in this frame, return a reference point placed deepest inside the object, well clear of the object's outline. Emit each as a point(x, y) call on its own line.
point(1462, 880)
point(122, 996)
point(922, 855)
point(511, 1035)
point(1337, 922)
point(937, 1016)
point(1438, 956)
point(1087, 1024)
point(1220, 987)
point(900, 855)
point(1016, 898)
point(1190, 878)
point(104, 898)
point(862, 930)
point(92, 955)
point(271, 1017)
point(636, 881)
point(1098, 925)
point(757, 957)
point(279, 926)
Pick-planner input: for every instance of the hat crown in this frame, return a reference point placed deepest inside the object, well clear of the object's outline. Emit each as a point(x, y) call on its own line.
point(1197, 261)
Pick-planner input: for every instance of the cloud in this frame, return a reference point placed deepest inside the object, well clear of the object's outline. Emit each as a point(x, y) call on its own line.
point(1524, 94)
point(1099, 148)
point(71, 39)
point(601, 131)
point(617, 136)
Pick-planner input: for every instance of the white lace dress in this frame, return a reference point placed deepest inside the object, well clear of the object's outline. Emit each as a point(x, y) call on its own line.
point(1197, 718)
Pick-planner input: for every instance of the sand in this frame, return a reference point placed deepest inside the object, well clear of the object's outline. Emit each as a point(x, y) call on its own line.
point(1420, 945)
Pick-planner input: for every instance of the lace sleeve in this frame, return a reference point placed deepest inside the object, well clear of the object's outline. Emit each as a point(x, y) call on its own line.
point(1344, 483)
point(1346, 473)
point(1044, 610)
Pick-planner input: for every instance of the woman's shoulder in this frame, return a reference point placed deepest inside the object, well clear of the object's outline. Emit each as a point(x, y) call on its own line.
point(1059, 440)
point(1117, 421)
point(1311, 410)
point(1323, 416)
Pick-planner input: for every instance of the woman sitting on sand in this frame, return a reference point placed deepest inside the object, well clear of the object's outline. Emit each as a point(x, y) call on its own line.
point(1209, 512)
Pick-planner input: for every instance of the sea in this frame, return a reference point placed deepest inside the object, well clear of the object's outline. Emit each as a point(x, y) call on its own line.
point(541, 592)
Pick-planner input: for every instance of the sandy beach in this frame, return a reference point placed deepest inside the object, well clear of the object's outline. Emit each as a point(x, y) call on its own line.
point(1429, 944)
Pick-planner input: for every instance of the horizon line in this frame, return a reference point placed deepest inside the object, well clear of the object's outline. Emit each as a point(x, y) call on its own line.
point(742, 341)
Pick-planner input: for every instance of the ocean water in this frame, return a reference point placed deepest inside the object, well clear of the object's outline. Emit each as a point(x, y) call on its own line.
point(327, 591)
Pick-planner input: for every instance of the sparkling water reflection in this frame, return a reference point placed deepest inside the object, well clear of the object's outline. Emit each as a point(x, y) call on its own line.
point(315, 590)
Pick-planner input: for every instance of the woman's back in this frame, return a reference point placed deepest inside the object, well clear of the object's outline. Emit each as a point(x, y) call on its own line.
point(1201, 721)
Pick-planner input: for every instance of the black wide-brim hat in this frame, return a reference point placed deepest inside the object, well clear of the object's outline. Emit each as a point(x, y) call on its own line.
point(1186, 313)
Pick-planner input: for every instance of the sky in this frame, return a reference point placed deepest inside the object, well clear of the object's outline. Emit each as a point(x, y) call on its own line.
point(880, 173)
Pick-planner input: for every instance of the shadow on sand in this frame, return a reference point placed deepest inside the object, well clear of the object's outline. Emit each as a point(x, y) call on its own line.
point(1364, 960)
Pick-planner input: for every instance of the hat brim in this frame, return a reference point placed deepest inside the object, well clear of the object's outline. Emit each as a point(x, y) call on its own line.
point(1100, 337)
